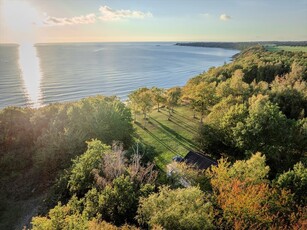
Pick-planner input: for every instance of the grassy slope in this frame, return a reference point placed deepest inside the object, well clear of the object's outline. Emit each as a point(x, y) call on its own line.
point(169, 138)
point(287, 48)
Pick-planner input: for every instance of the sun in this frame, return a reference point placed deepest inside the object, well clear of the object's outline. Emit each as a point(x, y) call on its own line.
point(21, 20)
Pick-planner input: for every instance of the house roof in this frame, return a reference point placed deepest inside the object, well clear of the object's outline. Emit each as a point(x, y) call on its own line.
point(199, 160)
point(178, 158)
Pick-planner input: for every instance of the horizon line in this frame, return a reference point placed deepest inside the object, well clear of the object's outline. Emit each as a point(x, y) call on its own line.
point(69, 42)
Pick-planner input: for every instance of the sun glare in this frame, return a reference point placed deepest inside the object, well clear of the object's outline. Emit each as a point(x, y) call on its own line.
point(30, 73)
point(21, 19)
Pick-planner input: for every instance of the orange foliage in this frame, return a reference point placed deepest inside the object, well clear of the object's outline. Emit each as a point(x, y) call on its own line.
point(244, 204)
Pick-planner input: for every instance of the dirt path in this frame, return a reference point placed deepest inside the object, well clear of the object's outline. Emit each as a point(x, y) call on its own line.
point(28, 209)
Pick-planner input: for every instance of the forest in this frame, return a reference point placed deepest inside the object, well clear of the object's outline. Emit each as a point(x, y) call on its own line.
point(243, 45)
point(96, 172)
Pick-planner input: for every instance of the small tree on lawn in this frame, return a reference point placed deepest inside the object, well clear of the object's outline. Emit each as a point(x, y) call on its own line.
point(158, 96)
point(173, 96)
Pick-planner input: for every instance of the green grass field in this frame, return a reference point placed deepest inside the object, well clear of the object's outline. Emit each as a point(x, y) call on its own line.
point(168, 137)
point(287, 48)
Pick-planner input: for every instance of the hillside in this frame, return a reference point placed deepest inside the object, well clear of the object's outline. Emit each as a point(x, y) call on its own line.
point(101, 164)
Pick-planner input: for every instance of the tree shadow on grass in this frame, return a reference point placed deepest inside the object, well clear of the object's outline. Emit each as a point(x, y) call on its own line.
point(186, 143)
point(184, 124)
point(191, 119)
point(158, 139)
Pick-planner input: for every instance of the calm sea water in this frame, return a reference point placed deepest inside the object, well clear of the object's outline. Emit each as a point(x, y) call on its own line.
point(37, 75)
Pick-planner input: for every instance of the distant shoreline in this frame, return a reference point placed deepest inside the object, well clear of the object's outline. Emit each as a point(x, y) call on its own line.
point(241, 45)
point(225, 45)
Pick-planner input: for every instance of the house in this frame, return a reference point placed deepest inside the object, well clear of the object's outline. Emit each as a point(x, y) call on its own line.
point(195, 159)
point(199, 160)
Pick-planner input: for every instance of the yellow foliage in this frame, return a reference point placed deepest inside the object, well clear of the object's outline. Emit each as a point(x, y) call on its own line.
point(102, 225)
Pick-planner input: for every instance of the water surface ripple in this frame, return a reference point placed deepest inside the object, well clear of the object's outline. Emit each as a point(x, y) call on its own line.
point(73, 71)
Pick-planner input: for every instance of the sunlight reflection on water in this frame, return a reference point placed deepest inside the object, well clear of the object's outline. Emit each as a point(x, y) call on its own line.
point(31, 74)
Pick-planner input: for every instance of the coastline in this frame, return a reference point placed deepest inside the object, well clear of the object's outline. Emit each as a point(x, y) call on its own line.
point(115, 69)
point(241, 45)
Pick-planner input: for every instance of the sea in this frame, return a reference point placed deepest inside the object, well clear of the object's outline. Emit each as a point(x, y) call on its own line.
point(39, 74)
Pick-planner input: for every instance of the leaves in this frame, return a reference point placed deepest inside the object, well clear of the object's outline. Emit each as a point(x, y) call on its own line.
point(176, 209)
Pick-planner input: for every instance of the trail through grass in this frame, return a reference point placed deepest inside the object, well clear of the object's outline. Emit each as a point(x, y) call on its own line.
point(168, 137)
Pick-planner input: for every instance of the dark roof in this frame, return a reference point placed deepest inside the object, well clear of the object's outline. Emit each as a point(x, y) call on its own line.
point(199, 160)
point(178, 159)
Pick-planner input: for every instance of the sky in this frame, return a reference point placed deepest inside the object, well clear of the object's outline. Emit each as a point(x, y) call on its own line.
point(43, 21)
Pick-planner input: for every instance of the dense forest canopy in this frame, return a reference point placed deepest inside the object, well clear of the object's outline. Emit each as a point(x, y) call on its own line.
point(259, 103)
point(37, 144)
point(98, 175)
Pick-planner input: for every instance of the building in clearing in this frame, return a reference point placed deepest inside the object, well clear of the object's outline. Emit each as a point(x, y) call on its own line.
point(198, 160)
point(194, 159)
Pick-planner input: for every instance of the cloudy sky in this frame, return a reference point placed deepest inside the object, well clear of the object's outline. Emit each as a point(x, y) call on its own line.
point(151, 20)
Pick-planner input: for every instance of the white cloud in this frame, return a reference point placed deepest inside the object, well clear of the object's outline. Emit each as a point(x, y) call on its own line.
point(83, 19)
point(109, 14)
point(224, 17)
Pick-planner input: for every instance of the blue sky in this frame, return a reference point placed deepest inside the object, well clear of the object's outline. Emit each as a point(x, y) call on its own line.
point(152, 20)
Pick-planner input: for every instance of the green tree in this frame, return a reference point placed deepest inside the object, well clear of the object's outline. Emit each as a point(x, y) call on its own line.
point(141, 99)
point(204, 97)
point(188, 95)
point(61, 217)
point(145, 101)
point(267, 130)
point(16, 140)
point(253, 170)
point(133, 103)
point(81, 178)
point(104, 118)
point(158, 96)
point(296, 181)
point(186, 208)
point(290, 93)
point(118, 203)
point(234, 86)
point(172, 97)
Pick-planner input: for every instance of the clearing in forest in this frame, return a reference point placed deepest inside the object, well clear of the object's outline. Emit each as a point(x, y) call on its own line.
point(168, 137)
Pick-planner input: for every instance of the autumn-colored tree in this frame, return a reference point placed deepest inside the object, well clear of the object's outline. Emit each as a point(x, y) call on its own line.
point(246, 198)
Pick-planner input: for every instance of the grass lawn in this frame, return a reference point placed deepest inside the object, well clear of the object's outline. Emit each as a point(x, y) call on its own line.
point(168, 137)
point(287, 48)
